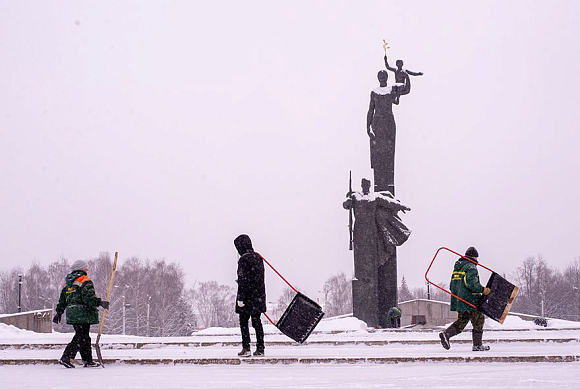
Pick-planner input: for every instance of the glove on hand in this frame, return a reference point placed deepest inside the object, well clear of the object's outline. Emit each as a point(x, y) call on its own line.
point(240, 304)
point(56, 318)
point(486, 291)
point(104, 304)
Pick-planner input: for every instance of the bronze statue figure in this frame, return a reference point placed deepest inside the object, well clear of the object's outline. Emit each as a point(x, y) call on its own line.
point(400, 72)
point(381, 129)
point(377, 230)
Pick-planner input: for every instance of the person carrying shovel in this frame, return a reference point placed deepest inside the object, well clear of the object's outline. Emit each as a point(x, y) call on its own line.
point(465, 284)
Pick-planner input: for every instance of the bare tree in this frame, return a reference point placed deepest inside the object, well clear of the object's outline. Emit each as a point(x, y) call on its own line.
point(571, 290)
point(56, 273)
point(37, 293)
point(9, 290)
point(337, 295)
point(215, 304)
point(539, 288)
point(525, 278)
point(134, 289)
point(283, 301)
point(167, 299)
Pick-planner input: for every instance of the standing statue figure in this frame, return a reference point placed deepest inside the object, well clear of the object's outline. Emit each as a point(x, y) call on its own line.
point(401, 75)
point(377, 230)
point(381, 129)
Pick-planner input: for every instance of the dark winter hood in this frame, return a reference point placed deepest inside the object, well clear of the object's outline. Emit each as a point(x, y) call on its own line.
point(70, 278)
point(243, 244)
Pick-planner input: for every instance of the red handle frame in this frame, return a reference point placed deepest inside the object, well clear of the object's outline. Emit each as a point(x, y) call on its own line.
point(282, 277)
point(445, 290)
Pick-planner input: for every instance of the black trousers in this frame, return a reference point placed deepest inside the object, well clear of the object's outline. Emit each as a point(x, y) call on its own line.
point(394, 322)
point(245, 329)
point(81, 342)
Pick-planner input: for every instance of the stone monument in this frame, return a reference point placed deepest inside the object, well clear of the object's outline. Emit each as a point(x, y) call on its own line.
point(378, 230)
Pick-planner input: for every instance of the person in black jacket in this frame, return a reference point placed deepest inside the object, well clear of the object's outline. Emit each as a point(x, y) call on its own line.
point(251, 297)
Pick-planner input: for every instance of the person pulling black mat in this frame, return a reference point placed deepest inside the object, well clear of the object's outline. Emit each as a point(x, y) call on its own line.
point(251, 296)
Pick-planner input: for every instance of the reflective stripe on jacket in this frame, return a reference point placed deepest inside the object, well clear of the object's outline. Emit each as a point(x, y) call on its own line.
point(465, 284)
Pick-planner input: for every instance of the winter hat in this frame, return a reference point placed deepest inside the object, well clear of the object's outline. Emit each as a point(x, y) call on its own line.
point(472, 252)
point(243, 244)
point(79, 265)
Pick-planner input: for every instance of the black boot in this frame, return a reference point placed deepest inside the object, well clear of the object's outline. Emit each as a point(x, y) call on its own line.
point(259, 352)
point(477, 342)
point(65, 361)
point(246, 352)
point(446, 335)
point(92, 363)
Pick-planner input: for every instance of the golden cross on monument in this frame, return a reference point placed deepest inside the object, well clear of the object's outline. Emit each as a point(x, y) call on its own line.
point(385, 46)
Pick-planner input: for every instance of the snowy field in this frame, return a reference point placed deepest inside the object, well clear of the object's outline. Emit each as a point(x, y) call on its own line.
point(135, 362)
point(420, 375)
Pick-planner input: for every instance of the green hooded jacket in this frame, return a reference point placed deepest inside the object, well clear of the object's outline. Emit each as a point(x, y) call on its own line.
point(465, 284)
point(79, 299)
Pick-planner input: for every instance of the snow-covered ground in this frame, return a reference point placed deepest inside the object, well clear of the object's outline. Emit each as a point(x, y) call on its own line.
point(420, 375)
point(316, 364)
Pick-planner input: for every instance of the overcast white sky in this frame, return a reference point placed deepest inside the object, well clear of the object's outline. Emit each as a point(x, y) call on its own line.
point(165, 129)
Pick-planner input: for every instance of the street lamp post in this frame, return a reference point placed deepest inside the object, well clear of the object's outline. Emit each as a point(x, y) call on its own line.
point(124, 306)
point(20, 293)
point(576, 289)
point(148, 306)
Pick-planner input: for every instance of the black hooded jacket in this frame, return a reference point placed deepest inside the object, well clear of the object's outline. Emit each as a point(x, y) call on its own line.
point(251, 286)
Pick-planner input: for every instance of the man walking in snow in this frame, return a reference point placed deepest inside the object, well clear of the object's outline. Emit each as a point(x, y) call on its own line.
point(465, 284)
point(251, 297)
point(79, 299)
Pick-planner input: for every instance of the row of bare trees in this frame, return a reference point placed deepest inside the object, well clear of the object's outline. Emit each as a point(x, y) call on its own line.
point(546, 291)
point(150, 297)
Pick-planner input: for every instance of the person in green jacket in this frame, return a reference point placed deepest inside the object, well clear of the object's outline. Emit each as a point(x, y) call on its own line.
point(394, 317)
point(465, 284)
point(78, 298)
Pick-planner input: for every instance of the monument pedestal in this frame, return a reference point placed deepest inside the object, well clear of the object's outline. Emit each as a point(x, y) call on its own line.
point(364, 302)
point(387, 286)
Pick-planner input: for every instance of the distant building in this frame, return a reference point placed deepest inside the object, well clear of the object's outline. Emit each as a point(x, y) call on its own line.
point(37, 321)
point(432, 313)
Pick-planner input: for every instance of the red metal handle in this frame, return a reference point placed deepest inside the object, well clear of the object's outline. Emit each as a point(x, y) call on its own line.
point(445, 290)
point(280, 275)
point(274, 324)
